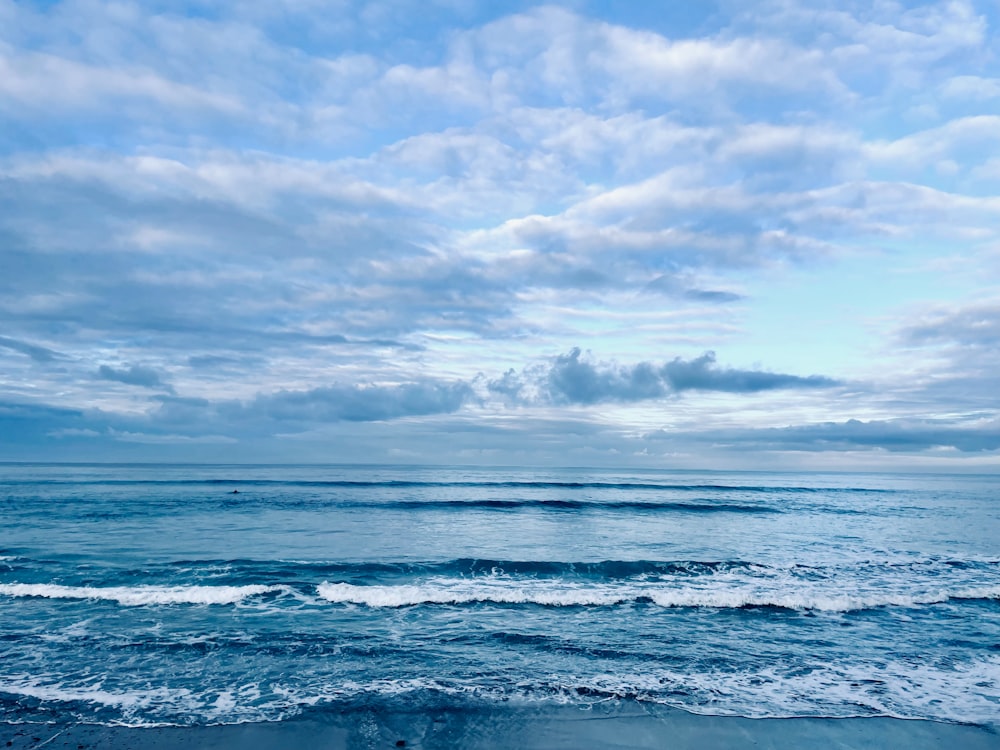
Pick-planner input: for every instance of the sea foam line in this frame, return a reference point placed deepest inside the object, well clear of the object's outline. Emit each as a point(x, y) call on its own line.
point(139, 595)
point(543, 593)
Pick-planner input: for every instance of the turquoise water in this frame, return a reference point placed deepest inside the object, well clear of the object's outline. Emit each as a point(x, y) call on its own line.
point(157, 594)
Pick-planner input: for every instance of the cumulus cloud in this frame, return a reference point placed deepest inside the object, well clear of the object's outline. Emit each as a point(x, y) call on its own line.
point(573, 378)
point(577, 381)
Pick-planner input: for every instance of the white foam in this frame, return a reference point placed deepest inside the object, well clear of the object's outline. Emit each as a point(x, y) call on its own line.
point(134, 596)
point(460, 591)
point(131, 704)
point(502, 590)
point(812, 599)
point(902, 689)
point(898, 689)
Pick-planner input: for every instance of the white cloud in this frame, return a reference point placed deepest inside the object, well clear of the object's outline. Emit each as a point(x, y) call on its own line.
point(976, 88)
point(159, 439)
point(46, 84)
point(966, 134)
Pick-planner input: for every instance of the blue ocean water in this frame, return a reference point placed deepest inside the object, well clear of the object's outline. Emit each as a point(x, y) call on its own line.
point(143, 594)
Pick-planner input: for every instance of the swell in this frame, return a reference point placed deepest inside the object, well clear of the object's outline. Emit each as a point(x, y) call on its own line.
point(409, 483)
point(570, 505)
point(237, 572)
point(241, 571)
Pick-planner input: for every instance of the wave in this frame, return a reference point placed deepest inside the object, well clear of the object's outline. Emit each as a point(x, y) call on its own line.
point(507, 591)
point(516, 504)
point(242, 571)
point(890, 688)
point(413, 483)
point(606, 569)
point(727, 584)
point(134, 596)
point(603, 569)
point(260, 568)
point(459, 592)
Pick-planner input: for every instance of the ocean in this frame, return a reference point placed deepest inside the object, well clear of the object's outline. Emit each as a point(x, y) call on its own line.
point(147, 595)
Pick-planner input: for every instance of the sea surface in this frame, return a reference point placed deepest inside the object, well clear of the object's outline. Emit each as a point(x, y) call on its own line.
point(192, 595)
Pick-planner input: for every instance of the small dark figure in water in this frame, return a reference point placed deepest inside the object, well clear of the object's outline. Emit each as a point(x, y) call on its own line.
point(236, 492)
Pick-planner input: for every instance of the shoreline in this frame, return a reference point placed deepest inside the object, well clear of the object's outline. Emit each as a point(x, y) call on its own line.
point(503, 728)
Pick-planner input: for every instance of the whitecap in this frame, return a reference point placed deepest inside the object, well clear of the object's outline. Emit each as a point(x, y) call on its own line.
point(133, 596)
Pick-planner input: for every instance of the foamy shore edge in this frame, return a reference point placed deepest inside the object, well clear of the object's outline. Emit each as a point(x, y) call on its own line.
point(559, 728)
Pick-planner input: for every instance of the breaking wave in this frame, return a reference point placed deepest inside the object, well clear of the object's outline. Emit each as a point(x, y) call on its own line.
point(135, 596)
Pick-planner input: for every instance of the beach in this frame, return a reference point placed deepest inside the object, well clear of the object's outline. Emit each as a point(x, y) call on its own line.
point(556, 728)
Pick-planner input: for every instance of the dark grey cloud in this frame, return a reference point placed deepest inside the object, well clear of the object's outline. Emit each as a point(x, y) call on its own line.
point(26, 424)
point(37, 353)
point(712, 295)
point(11, 411)
point(897, 436)
point(211, 361)
point(578, 381)
point(293, 411)
point(145, 377)
point(179, 420)
point(289, 412)
point(701, 374)
point(363, 403)
point(575, 379)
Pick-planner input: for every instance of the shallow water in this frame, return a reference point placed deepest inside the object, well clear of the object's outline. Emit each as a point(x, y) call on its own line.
point(154, 594)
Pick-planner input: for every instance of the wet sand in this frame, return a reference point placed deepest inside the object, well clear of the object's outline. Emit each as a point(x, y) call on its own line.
point(558, 728)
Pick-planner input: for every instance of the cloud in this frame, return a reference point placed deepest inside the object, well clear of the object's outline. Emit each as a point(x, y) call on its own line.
point(134, 375)
point(972, 87)
point(325, 222)
point(648, 64)
point(575, 379)
point(894, 435)
point(24, 424)
point(702, 375)
point(28, 79)
point(168, 439)
point(958, 348)
point(964, 136)
point(74, 432)
point(976, 325)
point(37, 353)
point(356, 403)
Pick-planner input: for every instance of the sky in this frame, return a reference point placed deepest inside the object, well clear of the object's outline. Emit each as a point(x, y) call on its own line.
point(679, 235)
